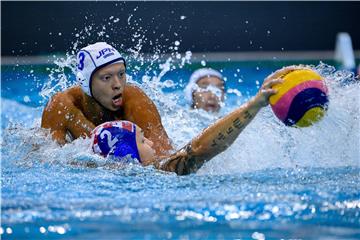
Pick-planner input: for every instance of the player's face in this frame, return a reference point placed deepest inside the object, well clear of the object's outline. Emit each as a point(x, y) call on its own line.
point(108, 85)
point(146, 152)
point(209, 95)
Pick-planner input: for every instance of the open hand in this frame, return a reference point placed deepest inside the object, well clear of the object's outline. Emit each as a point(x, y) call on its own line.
point(262, 97)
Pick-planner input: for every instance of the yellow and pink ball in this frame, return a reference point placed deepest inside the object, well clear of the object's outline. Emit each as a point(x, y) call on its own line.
point(302, 99)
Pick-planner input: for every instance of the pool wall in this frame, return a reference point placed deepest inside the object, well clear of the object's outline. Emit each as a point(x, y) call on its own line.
point(198, 26)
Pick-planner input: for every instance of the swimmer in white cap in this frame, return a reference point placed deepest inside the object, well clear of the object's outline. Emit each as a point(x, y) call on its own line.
point(123, 140)
point(102, 95)
point(205, 90)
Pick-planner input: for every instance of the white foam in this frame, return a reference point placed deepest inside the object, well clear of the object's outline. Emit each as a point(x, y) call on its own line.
point(267, 143)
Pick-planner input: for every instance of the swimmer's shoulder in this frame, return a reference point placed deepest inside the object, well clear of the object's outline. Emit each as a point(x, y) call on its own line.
point(133, 92)
point(135, 96)
point(60, 104)
point(68, 97)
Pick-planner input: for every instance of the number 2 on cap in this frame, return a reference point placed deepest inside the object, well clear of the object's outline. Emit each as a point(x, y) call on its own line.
point(107, 134)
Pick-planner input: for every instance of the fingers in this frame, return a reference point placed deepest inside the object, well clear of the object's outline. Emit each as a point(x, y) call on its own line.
point(285, 70)
point(271, 82)
point(276, 78)
point(266, 89)
point(268, 92)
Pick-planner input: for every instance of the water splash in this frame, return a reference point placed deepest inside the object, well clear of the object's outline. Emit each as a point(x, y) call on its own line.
point(140, 64)
point(267, 143)
point(59, 77)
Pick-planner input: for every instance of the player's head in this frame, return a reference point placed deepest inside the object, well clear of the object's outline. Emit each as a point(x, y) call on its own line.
point(122, 139)
point(101, 73)
point(205, 90)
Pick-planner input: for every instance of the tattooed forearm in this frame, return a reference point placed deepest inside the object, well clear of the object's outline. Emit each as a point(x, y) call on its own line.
point(221, 136)
point(248, 115)
point(182, 162)
point(212, 141)
point(237, 123)
point(230, 130)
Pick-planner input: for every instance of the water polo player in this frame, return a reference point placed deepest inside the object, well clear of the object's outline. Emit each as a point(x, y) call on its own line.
point(103, 95)
point(124, 140)
point(205, 90)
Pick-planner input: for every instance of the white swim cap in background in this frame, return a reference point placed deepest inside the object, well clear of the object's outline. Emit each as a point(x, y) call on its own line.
point(196, 76)
point(93, 57)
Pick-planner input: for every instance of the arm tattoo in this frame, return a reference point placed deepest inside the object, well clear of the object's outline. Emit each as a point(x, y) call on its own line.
point(221, 136)
point(237, 123)
point(183, 162)
point(214, 144)
point(230, 130)
point(248, 115)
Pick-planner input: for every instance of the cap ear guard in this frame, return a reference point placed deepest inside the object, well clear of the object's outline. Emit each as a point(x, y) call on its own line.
point(84, 83)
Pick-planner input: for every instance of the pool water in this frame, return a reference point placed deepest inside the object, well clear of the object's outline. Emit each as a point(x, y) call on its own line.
point(273, 182)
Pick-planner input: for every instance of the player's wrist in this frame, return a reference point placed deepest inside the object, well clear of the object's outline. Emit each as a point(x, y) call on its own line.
point(259, 101)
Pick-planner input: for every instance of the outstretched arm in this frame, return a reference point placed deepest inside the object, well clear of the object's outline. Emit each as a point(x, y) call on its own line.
point(213, 140)
point(220, 135)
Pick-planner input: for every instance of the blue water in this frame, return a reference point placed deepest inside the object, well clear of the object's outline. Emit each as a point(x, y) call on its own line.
point(273, 182)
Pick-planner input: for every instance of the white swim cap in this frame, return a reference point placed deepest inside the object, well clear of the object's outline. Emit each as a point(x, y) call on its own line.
point(92, 58)
point(195, 77)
